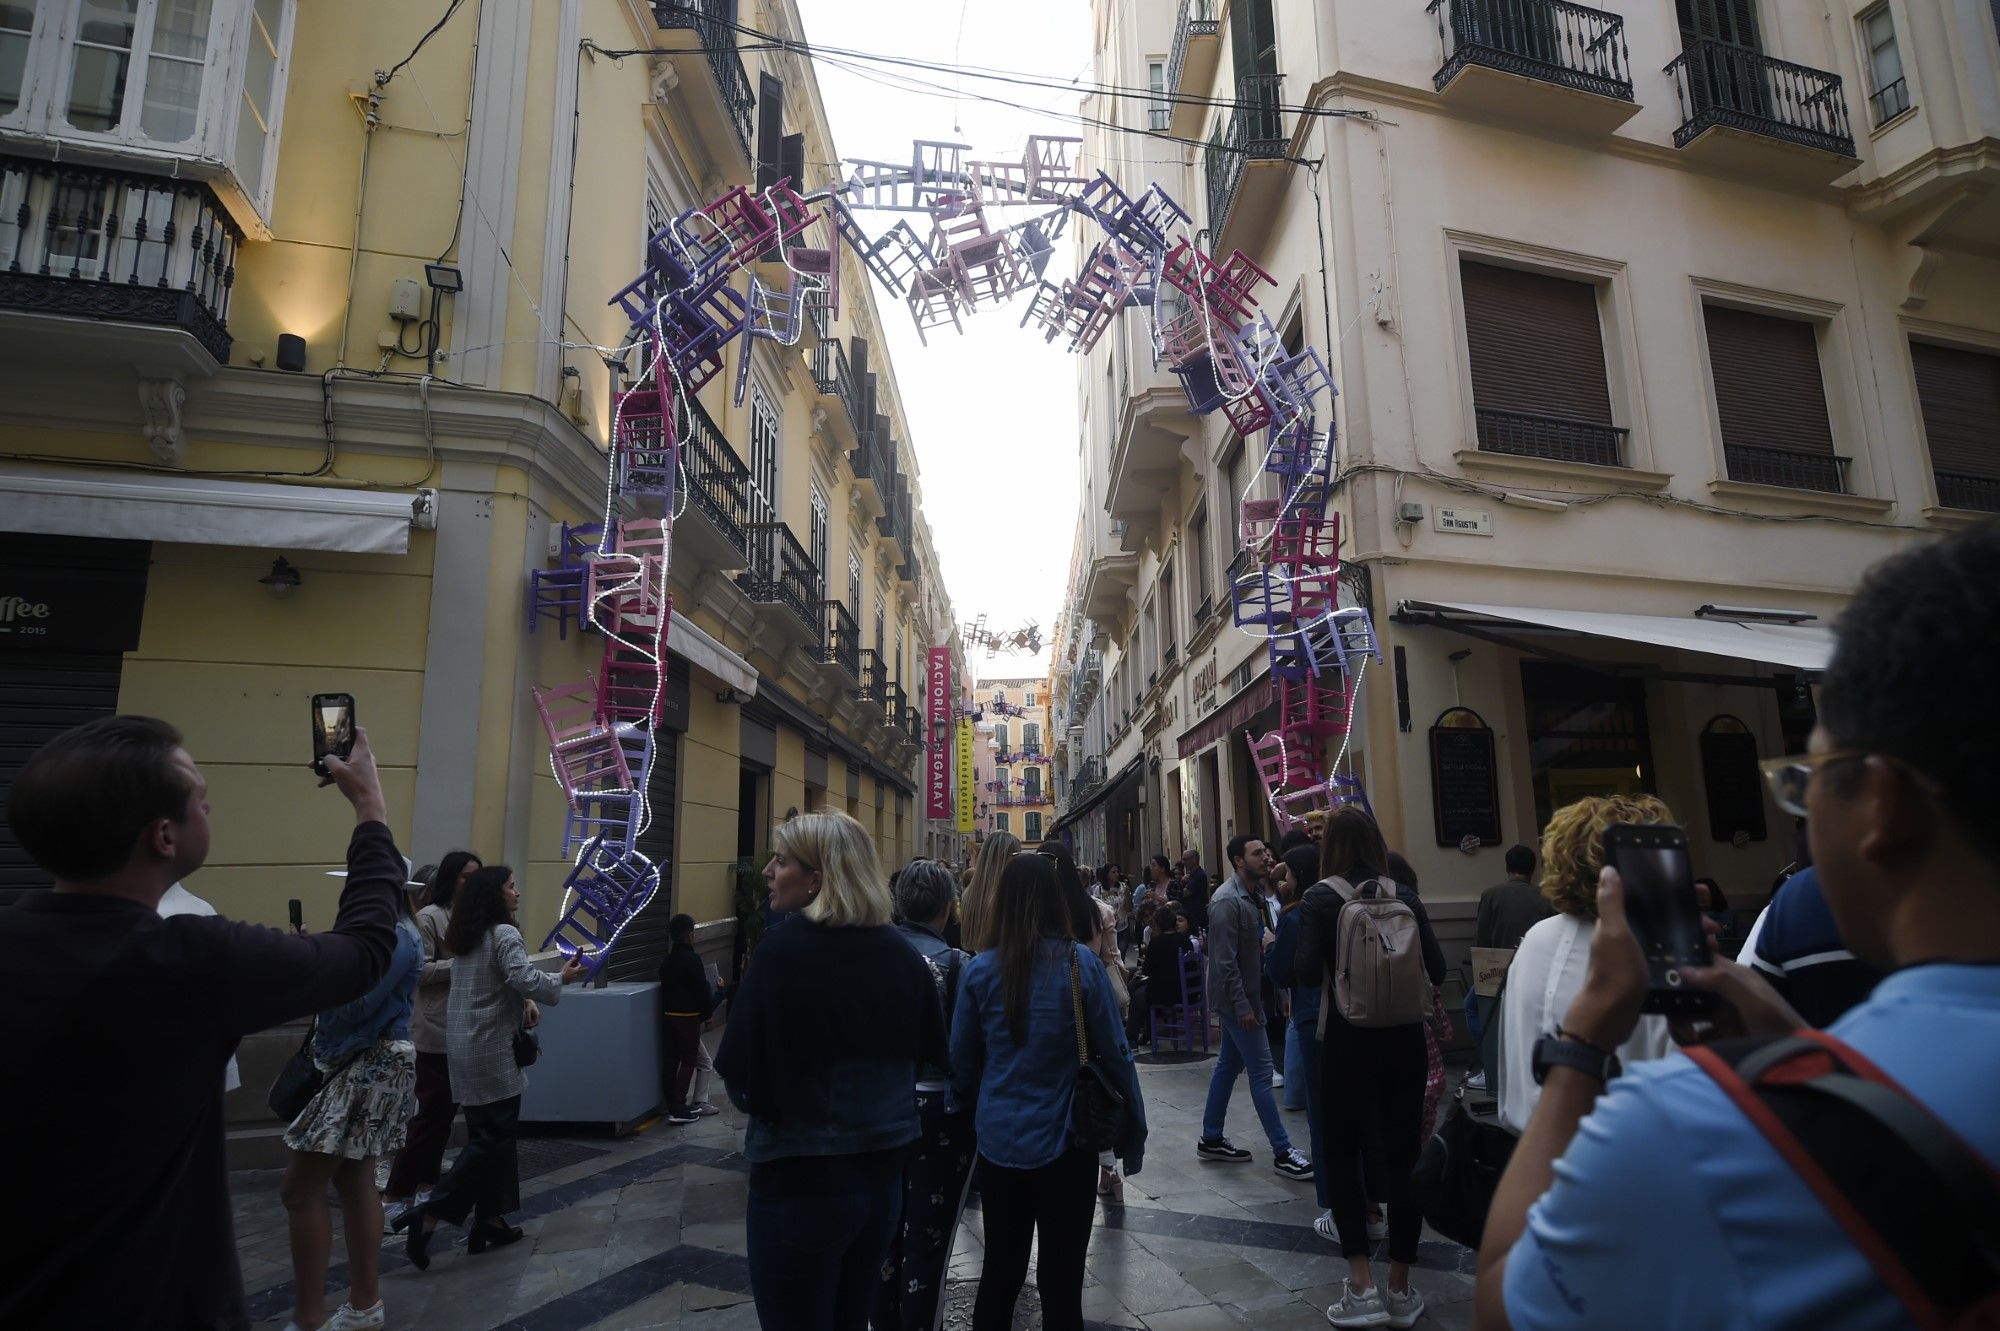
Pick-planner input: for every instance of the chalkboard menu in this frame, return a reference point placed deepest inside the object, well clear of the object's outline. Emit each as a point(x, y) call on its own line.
point(1730, 777)
point(1465, 783)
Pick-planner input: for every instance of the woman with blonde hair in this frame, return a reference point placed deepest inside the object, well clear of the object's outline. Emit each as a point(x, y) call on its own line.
point(827, 1032)
point(975, 908)
point(1548, 967)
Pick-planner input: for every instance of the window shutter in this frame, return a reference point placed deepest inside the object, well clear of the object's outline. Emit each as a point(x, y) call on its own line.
point(1535, 344)
point(1768, 389)
point(792, 160)
point(770, 129)
point(1959, 392)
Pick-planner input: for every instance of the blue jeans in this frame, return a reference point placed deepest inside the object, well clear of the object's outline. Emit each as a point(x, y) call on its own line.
point(1305, 1040)
point(1244, 1050)
point(818, 1228)
point(1294, 1098)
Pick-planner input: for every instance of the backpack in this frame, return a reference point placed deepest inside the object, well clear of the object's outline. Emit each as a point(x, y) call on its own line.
point(1921, 1205)
point(1376, 976)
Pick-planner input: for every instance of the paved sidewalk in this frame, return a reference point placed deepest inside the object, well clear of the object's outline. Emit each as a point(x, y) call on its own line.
point(648, 1232)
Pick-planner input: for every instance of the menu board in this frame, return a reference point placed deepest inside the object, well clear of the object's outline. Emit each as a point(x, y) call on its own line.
point(1465, 783)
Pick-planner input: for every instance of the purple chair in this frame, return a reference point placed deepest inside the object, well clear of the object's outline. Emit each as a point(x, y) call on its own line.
point(1186, 1021)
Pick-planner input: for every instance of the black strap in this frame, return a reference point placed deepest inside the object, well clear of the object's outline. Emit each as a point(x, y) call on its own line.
point(1932, 1203)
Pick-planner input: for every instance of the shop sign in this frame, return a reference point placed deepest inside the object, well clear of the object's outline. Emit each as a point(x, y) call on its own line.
point(70, 609)
point(965, 791)
point(1465, 782)
point(1203, 689)
point(937, 756)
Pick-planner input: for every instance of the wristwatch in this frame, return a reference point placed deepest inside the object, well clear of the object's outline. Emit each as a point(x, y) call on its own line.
point(1563, 1050)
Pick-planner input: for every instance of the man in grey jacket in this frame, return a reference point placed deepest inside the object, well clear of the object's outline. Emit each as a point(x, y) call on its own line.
point(1236, 940)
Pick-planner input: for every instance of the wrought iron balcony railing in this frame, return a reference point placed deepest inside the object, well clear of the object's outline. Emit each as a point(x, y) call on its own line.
point(1550, 40)
point(1734, 87)
point(1198, 18)
point(1255, 129)
point(1786, 466)
point(873, 677)
point(718, 482)
point(1890, 100)
point(1556, 437)
point(1957, 490)
point(94, 243)
point(832, 374)
point(714, 24)
point(840, 638)
point(782, 573)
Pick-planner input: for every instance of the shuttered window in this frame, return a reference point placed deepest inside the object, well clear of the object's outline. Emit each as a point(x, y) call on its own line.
point(1771, 399)
point(1959, 392)
point(1537, 353)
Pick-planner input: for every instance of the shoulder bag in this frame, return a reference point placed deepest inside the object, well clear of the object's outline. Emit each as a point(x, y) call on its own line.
point(1098, 1115)
point(298, 1081)
point(527, 1047)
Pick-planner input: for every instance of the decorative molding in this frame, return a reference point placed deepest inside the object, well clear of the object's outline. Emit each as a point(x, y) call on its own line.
point(1799, 501)
point(161, 401)
point(1929, 260)
point(1762, 299)
point(1613, 478)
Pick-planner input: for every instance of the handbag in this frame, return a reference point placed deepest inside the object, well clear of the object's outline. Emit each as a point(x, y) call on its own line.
point(1099, 1113)
point(1458, 1172)
point(298, 1081)
point(527, 1047)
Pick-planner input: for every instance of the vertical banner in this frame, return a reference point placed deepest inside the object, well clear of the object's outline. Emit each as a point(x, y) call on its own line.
point(965, 794)
point(937, 755)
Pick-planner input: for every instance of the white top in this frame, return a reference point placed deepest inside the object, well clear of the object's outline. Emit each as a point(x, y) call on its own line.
point(177, 900)
point(1545, 977)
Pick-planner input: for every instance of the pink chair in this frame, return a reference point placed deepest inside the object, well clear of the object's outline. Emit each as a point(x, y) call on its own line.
point(583, 750)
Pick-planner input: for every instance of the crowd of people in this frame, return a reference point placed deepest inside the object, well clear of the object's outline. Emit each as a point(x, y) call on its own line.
point(1815, 1148)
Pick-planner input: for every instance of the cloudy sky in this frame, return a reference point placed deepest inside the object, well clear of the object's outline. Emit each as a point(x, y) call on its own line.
point(993, 412)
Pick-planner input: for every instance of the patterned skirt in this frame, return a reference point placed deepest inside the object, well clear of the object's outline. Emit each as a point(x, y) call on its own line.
point(364, 1108)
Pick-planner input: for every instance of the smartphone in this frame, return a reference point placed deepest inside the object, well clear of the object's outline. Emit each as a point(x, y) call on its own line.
point(298, 914)
point(332, 727)
point(1664, 912)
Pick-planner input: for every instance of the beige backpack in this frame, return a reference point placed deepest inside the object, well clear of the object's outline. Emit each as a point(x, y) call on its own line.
point(1376, 974)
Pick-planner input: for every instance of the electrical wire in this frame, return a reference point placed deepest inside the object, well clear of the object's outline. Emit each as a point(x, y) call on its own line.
point(382, 79)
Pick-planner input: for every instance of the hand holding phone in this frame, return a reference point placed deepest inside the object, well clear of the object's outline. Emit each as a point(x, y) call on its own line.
point(296, 909)
point(333, 728)
point(1662, 910)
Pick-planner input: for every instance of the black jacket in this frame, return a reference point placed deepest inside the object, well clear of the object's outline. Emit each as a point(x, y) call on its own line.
point(684, 986)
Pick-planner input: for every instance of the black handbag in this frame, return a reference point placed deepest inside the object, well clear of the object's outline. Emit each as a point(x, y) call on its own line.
point(298, 1081)
point(1458, 1172)
point(1099, 1113)
point(527, 1047)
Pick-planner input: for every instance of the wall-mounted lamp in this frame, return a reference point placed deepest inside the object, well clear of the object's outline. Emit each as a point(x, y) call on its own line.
point(291, 352)
point(1754, 614)
point(282, 580)
point(730, 695)
point(444, 277)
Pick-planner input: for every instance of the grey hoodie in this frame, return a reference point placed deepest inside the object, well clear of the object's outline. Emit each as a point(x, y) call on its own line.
point(1235, 951)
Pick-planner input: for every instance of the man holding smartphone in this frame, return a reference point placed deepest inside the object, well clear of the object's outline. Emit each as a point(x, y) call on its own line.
point(124, 1021)
point(1681, 1204)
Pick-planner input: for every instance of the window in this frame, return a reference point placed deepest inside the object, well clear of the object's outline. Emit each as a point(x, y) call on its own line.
point(881, 628)
point(766, 431)
point(1771, 400)
point(1959, 392)
point(821, 535)
point(854, 584)
point(177, 75)
point(1537, 351)
point(1028, 699)
point(1159, 111)
point(1031, 826)
point(1000, 738)
point(1000, 822)
point(1891, 95)
point(1031, 737)
point(1169, 621)
point(1003, 780)
point(1587, 735)
point(1204, 572)
point(902, 670)
point(1232, 488)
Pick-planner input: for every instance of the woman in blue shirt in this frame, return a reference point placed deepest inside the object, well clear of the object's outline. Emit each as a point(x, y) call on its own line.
point(1014, 1058)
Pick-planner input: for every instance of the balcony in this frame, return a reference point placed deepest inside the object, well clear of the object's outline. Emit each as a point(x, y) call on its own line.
point(704, 30)
point(1745, 113)
point(718, 486)
point(1246, 163)
point(1546, 63)
point(895, 702)
point(1788, 467)
point(872, 680)
point(1524, 435)
point(894, 524)
point(117, 248)
point(1108, 582)
point(840, 639)
point(1191, 63)
point(781, 573)
point(834, 376)
point(1978, 493)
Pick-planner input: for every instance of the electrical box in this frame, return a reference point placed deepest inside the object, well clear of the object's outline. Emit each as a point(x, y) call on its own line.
point(406, 300)
point(1409, 512)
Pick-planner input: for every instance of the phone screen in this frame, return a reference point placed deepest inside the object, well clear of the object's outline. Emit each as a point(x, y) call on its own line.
point(333, 726)
point(1661, 905)
point(296, 909)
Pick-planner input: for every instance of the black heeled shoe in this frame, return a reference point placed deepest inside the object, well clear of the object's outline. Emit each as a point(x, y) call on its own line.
point(483, 1237)
point(417, 1245)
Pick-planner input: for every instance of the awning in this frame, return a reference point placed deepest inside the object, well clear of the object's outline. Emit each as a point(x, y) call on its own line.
point(1799, 646)
point(700, 648)
point(1232, 715)
point(197, 511)
point(1130, 772)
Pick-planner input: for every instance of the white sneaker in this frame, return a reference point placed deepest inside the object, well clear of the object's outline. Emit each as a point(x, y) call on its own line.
point(294, 1326)
point(1358, 1309)
point(1277, 1080)
point(704, 1108)
point(1405, 1308)
point(1293, 1165)
point(1378, 1229)
point(350, 1318)
point(1477, 1081)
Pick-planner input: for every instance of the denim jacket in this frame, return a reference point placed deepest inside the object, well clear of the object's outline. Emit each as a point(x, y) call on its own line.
point(1022, 1093)
point(383, 1013)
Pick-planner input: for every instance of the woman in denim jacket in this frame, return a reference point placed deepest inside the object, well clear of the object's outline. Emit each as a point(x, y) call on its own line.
point(364, 1048)
point(1014, 1058)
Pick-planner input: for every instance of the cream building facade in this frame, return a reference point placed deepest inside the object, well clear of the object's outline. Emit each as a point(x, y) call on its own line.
point(1013, 758)
point(1653, 325)
point(328, 284)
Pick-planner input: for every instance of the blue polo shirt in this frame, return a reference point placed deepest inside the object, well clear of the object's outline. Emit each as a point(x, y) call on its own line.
point(1670, 1209)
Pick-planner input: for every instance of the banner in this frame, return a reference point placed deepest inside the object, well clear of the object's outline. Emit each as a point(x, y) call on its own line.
point(965, 794)
point(937, 755)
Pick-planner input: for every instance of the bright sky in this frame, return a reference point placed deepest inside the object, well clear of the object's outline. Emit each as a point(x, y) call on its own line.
point(994, 411)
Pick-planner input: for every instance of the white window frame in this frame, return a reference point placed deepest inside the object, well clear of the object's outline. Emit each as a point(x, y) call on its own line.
point(1159, 111)
point(1863, 22)
point(821, 533)
point(854, 583)
point(208, 152)
point(881, 628)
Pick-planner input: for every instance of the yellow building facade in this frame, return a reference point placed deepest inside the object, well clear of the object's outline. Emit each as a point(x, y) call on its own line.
point(1014, 757)
point(328, 285)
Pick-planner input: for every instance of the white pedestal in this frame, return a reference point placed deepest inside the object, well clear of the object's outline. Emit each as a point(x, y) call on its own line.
point(600, 1058)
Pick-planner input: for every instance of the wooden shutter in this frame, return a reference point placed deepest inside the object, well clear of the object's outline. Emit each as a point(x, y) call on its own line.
point(1535, 344)
point(792, 160)
point(1959, 392)
point(1768, 389)
point(770, 129)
